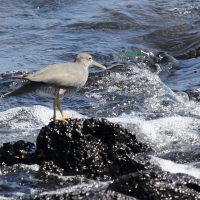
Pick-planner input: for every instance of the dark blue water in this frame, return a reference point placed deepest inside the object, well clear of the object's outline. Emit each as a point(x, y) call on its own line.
point(151, 84)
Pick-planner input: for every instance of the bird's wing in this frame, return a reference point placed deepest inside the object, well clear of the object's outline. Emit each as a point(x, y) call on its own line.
point(62, 75)
point(29, 87)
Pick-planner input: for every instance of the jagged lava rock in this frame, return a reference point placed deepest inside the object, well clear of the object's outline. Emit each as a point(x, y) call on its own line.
point(95, 148)
point(17, 152)
point(157, 185)
point(86, 195)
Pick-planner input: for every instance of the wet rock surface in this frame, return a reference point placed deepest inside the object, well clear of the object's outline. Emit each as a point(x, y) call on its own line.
point(89, 195)
point(17, 152)
point(158, 185)
point(97, 149)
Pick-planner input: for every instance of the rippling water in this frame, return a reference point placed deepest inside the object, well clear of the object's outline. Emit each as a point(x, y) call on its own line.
point(151, 85)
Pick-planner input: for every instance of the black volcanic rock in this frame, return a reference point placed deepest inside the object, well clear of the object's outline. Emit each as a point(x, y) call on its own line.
point(86, 195)
point(101, 150)
point(157, 185)
point(95, 148)
point(17, 152)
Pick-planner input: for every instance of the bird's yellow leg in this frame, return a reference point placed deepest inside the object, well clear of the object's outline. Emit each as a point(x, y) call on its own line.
point(54, 109)
point(59, 108)
point(63, 118)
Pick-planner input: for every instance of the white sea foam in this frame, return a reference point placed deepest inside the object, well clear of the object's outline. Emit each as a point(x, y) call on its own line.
point(33, 167)
point(30, 117)
point(167, 165)
point(24, 123)
point(163, 134)
point(83, 186)
point(5, 198)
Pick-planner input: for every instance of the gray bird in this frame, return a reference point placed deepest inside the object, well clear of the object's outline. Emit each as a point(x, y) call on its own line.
point(57, 81)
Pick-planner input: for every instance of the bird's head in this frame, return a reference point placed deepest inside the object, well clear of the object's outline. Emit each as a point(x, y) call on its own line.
point(86, 60)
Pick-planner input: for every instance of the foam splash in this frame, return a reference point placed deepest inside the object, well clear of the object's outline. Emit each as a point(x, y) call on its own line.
point(163, 134)
point(24, 123)
point(167, 165)
point(30, 117)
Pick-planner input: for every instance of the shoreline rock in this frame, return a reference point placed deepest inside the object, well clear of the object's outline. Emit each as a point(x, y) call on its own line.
point(99, 150)
point(95, 148)
point(157, 185)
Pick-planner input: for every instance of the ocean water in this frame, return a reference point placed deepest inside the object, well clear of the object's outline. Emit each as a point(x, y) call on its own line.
point(151, 85)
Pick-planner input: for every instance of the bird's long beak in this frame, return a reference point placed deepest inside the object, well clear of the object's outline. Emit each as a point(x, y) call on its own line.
point(98, 65)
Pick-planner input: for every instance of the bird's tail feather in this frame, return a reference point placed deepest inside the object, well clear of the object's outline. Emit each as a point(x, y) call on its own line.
point(27, 88)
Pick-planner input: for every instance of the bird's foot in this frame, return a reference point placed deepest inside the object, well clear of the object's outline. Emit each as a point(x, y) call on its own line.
point(62, 119)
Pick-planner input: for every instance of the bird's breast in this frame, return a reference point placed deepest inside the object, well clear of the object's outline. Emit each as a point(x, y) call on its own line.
point(55, 92)
point(47, 91)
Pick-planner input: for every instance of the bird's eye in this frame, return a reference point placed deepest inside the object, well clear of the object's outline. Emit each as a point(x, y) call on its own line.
point(90, 58)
